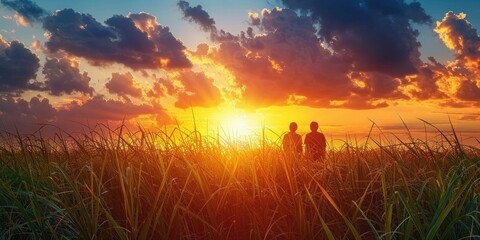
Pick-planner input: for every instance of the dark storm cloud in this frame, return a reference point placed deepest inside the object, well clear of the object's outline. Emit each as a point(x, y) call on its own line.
point(18, 67)
point(63, 77)
point(373, 35)
point(197, 15)
point(124, 40)
point(123, 85)
point(29, 10)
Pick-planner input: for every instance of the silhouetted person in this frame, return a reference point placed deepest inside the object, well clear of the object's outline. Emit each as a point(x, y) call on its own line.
point(315, 143)
point(292, 141)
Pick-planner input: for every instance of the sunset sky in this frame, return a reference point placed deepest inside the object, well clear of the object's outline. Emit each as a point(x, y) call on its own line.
point(241, 64)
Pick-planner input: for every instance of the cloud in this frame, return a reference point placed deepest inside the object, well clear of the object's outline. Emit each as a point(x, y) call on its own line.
point(372, 35)
point(455, 104)
point(63, 77)
point(468, 91)
point(285, 60)
point(377, 86)
point(463, 74)
point(29, 116)
point(99, 110)
point(198, 91)
point(254, 18)
point(37, 109)
point(470, 117)
point(425, 81)
point(19, 20)
point(458, 34)
point(161, 88)
point(336, 59)
point(137, 41)
point(27, 10)
point(18, 67)
point(123, 85)
point(25, 115)
point(162, 117)
point(197, 15)
point(202, 18)
point(191, 89)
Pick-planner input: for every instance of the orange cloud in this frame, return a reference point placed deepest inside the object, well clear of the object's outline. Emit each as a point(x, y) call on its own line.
point(198, 90)
point(458, 34)
point(462, 75)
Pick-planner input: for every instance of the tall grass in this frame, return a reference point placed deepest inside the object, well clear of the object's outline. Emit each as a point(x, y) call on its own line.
point(121, 184)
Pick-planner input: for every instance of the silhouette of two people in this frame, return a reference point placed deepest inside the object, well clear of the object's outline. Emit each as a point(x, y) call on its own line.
point(315, 143)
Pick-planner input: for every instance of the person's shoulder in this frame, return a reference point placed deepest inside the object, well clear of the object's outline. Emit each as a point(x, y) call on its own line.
point(318, 135)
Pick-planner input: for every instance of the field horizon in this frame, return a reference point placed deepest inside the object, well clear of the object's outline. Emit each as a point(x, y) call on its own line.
point(113, 183)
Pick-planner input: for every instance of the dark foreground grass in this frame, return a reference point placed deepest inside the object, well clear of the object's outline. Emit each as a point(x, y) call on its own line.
point(114, 184)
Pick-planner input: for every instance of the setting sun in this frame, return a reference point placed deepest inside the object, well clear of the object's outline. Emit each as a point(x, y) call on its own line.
point(238, 126)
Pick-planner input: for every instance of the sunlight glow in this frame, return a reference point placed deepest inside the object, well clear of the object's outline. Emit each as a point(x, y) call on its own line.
point(237, 126)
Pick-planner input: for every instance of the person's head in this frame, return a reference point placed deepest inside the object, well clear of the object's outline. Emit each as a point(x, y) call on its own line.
point(314, 126)
point(293, 126)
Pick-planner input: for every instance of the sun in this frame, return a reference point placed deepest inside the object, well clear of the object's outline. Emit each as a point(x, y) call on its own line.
point(237, 124)
point(237, 127)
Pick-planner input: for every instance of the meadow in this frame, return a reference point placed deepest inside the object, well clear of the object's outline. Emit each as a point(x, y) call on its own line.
point(177, 184)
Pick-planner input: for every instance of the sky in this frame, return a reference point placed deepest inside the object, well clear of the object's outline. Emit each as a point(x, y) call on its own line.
point(241, 65)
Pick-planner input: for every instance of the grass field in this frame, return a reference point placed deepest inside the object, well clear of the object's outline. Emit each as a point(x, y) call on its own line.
point(117, 184)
